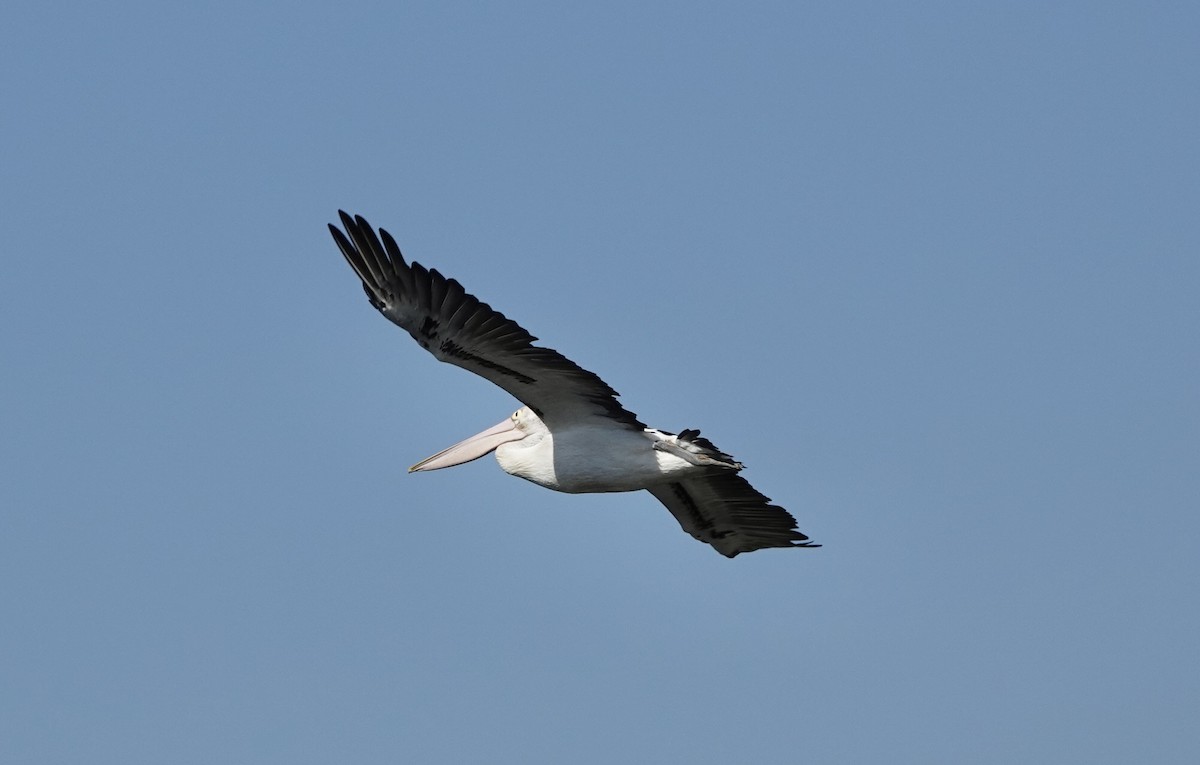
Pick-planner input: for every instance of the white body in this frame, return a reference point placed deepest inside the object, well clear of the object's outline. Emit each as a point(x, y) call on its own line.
point(583, 460)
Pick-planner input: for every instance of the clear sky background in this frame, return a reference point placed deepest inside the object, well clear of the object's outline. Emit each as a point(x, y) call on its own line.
point(931, 270)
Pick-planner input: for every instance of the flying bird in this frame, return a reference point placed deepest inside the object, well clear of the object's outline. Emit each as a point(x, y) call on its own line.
point(571, 435)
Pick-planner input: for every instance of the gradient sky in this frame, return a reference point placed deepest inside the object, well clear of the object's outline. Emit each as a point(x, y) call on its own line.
point(931, 270)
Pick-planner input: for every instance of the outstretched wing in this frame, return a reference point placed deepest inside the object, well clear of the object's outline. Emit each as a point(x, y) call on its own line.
point(722, 509)
point(457, 328)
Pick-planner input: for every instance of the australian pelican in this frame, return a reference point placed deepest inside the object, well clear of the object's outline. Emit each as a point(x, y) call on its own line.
point(571, 435)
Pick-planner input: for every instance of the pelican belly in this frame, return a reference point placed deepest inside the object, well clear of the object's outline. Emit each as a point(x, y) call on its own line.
point(591, 460)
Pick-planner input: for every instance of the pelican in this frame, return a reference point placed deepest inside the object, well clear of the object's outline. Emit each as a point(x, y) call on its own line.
point(571, 435)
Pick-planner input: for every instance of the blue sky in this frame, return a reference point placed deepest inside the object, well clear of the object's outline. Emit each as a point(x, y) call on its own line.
point(930, 270)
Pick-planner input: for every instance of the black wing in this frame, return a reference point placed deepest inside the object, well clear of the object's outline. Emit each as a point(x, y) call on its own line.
point(457, 328)
point(722, 509)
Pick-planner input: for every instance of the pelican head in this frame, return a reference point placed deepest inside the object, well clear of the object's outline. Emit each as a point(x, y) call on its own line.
point(518, 425)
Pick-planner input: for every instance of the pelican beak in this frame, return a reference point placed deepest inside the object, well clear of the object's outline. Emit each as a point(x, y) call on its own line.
point(473, 448)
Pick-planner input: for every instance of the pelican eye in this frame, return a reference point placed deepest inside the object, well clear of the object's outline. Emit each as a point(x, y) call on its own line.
point(516, 415)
